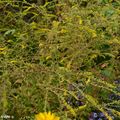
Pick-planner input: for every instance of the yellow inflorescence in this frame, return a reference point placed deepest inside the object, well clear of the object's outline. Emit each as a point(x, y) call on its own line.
point(46, 116)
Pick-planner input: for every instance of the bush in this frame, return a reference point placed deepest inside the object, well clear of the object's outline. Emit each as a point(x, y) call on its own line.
point(61, 57)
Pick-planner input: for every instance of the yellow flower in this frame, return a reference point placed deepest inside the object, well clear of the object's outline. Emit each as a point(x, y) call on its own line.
point(22, 46)
point(80, 21)
point(48, 57)
point(46, 116)
point(13, 61)
point(3, 50)
point(55, 24)
point(63, 31)
point(94, 35)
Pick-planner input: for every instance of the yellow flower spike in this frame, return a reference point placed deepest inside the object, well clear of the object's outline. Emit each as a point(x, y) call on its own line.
point(48, 57)
point(41, 44)
point(4, 48)
point(63, 31)
point(80, 21)
point(22, 46)
point(13, 61)
point(33, 25)
point(46, 116)
point(94, 35)
point(55, 24)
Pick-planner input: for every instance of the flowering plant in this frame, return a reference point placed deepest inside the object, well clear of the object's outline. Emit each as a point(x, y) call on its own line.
point(46, 116)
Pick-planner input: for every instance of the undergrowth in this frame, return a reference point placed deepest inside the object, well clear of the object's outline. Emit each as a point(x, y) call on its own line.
point(60, 56)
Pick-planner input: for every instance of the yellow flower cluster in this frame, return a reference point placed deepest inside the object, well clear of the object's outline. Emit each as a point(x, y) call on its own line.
point(46, 116)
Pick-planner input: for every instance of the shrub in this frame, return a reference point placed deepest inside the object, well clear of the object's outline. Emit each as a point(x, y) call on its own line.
point(62, 56)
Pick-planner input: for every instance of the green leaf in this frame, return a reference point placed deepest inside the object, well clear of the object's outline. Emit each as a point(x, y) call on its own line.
point(106, 73)
point(12, 31)
point(109, 12)
point(104, 1)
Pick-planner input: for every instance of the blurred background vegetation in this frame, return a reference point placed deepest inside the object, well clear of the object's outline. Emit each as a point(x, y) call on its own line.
point(61, 56)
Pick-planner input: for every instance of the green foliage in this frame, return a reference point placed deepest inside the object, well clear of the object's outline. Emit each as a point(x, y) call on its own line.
point(46, 47)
